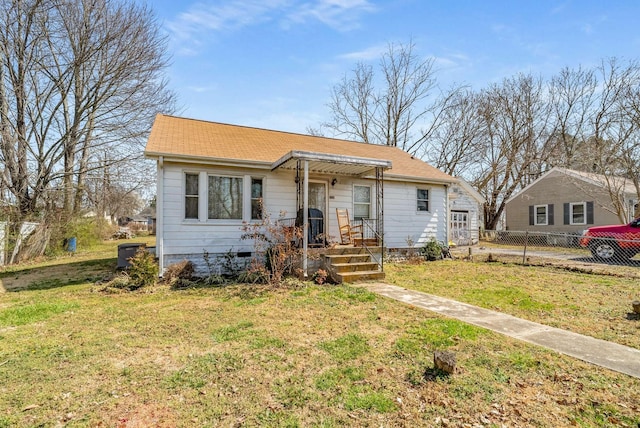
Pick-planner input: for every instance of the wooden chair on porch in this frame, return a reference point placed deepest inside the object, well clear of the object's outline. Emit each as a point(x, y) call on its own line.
point(348, 234)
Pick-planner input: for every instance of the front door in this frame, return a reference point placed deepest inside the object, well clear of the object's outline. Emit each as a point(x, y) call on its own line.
point(318, 201)
point(460, 227)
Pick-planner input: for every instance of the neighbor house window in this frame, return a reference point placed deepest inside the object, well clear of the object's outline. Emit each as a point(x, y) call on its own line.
point(191, 195)
point(541, 214)
point(361, 202)
point(225, 198)
point(578, 213)
point(256, 198)
point(423, 200)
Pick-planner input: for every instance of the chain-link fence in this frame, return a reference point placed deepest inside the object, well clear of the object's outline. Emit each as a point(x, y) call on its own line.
point(617, 255)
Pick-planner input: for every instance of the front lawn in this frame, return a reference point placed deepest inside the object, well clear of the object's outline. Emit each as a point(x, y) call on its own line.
point(587, 303)
point(301, 355)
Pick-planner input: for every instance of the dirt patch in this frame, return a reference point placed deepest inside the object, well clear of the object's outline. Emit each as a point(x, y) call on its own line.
point(54, 276)
point(146, 415)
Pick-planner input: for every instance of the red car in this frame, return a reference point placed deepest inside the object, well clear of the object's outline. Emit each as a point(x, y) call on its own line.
point(621, 241)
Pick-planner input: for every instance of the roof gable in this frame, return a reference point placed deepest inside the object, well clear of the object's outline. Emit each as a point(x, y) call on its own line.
point(471, 191)
point(197, 140)
point(588, 177)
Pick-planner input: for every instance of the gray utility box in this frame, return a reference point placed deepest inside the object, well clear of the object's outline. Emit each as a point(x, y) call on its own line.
point(125, 252)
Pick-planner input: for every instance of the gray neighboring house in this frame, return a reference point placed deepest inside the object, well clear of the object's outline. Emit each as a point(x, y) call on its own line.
point(466, 213)
point(565, 200)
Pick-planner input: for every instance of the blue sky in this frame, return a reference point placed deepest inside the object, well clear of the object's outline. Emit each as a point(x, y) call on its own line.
point(272, 63)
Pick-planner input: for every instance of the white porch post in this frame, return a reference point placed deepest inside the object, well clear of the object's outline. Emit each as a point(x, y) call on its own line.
point(305, 218)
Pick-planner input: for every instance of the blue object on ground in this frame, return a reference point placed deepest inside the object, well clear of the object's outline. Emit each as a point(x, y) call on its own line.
point(71, 244)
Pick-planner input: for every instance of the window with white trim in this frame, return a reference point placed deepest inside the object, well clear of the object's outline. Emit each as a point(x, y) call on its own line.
point(224, 199)
point(541, 215)
point(361, 202)
point(422, 200)
point(191, 195)
point(578, 212)
point(256, 198)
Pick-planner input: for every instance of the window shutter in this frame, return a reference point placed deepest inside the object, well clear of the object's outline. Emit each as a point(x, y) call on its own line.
point(550, 214)
point(566, 213)
point(589, 212)
point(531, 215)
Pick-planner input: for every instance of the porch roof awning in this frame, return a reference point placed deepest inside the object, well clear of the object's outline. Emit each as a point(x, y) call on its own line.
point(324, 163)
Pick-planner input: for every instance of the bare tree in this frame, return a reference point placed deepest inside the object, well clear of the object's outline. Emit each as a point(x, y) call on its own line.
point(517, 129)
point(573, 96)
point(611, 144)
point(76, 76)
point(394, 114)
point(454, 144)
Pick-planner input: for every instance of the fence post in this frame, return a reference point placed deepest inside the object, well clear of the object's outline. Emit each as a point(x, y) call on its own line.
point(524, 253)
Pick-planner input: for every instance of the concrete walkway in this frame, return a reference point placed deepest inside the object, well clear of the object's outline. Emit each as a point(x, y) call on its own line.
point(616, 357)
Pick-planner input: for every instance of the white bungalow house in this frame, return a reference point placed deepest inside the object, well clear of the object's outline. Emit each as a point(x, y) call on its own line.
point(212, 177)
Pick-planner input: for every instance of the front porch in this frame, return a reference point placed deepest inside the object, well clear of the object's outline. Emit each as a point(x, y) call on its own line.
point(361, 260)
point(347, 256)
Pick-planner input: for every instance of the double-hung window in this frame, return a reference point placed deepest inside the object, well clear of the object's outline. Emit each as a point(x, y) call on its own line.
point(256, 198)
point(422, 200)
point(361, 202)
point(191, 195)
point(541, 215)
point(225, 198)
point(578, 212)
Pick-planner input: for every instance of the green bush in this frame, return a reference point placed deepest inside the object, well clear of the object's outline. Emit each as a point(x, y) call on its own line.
point(143, 271)
point(431, 250)
point(88, 232)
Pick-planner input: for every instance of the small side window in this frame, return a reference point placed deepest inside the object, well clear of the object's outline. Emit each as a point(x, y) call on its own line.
point(423, 200)
point(578, 213)
point(361, 202)
point(191, 196)
point(256, 198)
point(541, 215)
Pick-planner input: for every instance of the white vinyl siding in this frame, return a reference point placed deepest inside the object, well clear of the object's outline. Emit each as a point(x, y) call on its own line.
point(403, 224)
point(188, 239)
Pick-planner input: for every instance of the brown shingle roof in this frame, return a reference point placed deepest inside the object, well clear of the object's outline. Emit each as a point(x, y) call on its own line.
point(189, 138)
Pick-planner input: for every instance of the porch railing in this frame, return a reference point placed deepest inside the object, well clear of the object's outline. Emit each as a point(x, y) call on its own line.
point(372, 237)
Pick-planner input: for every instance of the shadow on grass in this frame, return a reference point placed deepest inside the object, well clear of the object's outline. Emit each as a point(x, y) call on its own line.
point(56, 276)
point(433, 374)
point(616, 262)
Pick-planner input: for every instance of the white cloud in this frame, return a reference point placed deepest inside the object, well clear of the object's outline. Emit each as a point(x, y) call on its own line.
point(202, 89)
point(204, 20)
point(587, 28)
point(341, 15)
point(368, 54)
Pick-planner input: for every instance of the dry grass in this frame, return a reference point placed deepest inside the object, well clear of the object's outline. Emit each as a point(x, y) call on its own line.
point(298, 356)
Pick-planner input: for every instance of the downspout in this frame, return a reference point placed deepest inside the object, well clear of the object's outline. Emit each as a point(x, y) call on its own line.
point(305, 219)
point(447, 215)
point(159, 214)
